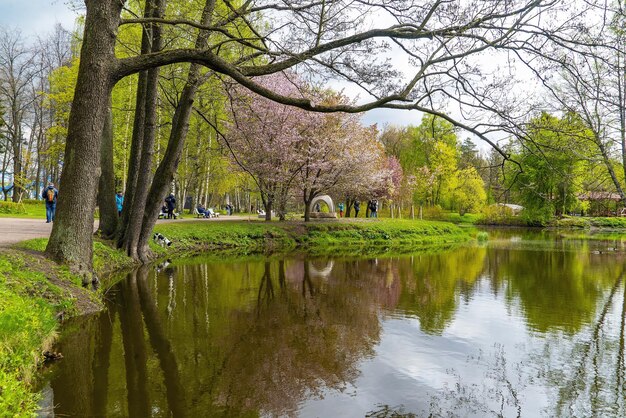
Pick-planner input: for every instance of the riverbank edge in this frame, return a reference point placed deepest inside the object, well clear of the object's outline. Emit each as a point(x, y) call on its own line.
point(37, 294)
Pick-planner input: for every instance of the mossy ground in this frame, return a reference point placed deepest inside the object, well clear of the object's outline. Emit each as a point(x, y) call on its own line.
point(34, 292)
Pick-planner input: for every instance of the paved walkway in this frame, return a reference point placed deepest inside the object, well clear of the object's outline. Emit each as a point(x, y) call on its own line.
point(14, 230)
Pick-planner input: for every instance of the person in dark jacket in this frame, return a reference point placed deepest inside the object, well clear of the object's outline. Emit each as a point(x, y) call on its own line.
point(50, 195)
point(357, 207)
point(170, 201)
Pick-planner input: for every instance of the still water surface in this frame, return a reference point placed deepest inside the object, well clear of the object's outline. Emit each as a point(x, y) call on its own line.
point(527, 325)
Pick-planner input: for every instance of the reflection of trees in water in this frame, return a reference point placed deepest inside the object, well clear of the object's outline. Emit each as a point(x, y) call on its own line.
point(433, 283)
point(582, 378)
point(305, 336)
point(556, 290)
point(219, 340)
point(495, 394)
point(592, 382)
point(386, 411)
point(80, 387)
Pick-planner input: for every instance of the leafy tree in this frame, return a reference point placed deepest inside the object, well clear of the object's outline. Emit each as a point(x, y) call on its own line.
point(265, 138)
point(434, 36)
point(17, 73)
point(469, 194)
point(554, 164)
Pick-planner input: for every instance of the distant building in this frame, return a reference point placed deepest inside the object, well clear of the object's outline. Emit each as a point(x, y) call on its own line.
point(601, 203)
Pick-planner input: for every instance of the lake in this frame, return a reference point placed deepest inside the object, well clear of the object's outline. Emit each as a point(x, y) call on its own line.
point(528, 324)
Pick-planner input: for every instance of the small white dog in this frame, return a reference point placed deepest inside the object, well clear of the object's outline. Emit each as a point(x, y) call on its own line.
point(161, 240)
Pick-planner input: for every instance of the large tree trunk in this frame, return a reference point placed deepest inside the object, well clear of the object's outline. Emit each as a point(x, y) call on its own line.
point(17, 170)
point(165, 171)
point(129, 227)
point(106, 186)
point(71, 238)
point(144, 175)
point(609, 166)
point(180, 125)
point(135, 156)
point(308, 197)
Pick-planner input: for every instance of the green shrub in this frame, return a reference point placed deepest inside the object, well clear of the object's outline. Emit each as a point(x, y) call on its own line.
point(482, 236)
point(573, 222)
point(494, 214)
point(433, 212)
point(12, 208)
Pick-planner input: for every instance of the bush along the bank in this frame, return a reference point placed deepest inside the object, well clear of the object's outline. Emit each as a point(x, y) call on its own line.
point(587, 223)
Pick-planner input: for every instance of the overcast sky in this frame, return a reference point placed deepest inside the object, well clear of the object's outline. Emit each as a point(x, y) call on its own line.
point(35, 17)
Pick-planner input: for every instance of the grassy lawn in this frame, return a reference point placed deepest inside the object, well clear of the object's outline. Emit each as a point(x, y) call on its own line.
point(28, 209)
point(33, 291)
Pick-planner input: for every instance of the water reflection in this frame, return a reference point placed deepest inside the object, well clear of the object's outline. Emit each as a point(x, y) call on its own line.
point(507, 329)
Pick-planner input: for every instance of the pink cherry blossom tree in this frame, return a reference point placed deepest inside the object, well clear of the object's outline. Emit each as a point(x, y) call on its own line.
point(341, 156)
point(266, 138)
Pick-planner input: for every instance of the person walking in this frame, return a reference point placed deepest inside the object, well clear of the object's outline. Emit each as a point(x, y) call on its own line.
point(119, 202)
point(357, 207)
point(170, 201)
point(50, 195)
point(373, 207)
point(340, 206)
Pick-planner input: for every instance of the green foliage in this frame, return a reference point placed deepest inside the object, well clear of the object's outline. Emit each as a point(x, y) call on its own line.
point(389, 234)
point(554, 162)
point(25, 209)
point(482, 236)
point(12, 208)
point(469, 194)
point(107, 259)
point(466, 218)
point(499, 215)
point(586, 223)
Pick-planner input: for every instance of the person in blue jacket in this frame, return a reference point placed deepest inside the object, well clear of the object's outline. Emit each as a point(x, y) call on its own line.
point(50, 195)
point(119, 202)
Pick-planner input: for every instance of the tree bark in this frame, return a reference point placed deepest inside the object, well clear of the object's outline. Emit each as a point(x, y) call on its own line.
point(106, 186)
point(143, 177)
point(71, 237)
point(180, 126)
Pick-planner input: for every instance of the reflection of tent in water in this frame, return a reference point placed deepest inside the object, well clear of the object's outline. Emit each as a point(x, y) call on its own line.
point(324, 272)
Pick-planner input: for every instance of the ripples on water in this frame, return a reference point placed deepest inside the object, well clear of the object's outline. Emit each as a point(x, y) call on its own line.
point(526, 325)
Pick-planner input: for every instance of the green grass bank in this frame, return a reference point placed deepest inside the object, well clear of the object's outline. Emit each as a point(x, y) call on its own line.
point(36, 293)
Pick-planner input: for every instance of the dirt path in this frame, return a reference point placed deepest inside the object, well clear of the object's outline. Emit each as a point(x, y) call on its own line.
point(14, 230)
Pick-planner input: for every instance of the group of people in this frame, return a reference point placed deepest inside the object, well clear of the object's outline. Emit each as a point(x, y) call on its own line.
point(50, 195)
point(169, 208)
point(206, 212)
point(372, 205)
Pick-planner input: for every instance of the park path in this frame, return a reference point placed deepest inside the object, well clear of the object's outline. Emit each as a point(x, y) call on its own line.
point(13, 230)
